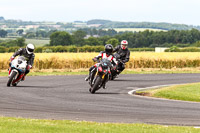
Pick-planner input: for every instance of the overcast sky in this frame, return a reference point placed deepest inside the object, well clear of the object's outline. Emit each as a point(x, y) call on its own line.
point(172, 11)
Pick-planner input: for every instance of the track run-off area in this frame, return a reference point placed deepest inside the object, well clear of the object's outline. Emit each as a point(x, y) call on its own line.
point(67, 97)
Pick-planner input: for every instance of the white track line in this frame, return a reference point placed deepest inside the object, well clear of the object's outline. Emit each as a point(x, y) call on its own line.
point(132, 92)
point(147, 88)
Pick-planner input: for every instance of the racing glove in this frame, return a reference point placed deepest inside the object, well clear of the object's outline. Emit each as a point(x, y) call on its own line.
point(115, 67)
point(12, 58)
point(94, 59)
point(29, 67)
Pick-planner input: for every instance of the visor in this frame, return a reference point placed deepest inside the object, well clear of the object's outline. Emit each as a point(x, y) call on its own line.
point(30, 50)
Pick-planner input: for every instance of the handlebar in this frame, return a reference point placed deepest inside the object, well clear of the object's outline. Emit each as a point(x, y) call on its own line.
point(119, 60)
point(96, 60)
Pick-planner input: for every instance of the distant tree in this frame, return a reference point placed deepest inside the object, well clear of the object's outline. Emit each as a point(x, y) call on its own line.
point(41, 33)
point(60, 38)
point(20, 32)
point(94, 32)
point(195, 34)
point(111, 32)
point(50, 32)
point(30, 35)
point(93, 41)
point(20, 42)
point(104, 39)
point(102, 32)
point(113, 41)
point(78, 37)
point(3, 33)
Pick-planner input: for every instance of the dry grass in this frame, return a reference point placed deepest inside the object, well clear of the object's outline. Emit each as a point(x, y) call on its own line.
point(141, 60)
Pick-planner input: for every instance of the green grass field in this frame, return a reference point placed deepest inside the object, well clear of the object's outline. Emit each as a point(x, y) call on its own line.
point(188, 92)
point(36, 42)
point(135, 29)
point(45, 72)
point(21, 125)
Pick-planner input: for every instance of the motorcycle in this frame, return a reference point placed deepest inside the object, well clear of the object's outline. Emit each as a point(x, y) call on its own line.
point(16, 70)
point(115, 72)
point(99, 74)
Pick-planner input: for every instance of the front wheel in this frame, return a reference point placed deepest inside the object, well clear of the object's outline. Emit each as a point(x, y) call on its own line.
point(11, 78)
point(95, 87)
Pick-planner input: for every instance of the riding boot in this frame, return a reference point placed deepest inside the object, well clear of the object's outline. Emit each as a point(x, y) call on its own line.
point(104, 86)
point(88, 77)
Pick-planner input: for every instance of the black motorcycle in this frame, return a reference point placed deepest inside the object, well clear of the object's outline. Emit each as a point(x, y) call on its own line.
point(116, 71)
point(99, 75)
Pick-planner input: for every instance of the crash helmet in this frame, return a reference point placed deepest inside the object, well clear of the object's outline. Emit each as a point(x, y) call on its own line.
point(124, 44)
point(108, 48)
point(30, 48)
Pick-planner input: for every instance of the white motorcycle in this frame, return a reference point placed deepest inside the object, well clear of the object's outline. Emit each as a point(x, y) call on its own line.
point(17, 70)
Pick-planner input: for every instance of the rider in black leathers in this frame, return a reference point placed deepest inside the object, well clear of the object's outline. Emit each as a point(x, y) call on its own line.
point(29, 56)
point(122, 54)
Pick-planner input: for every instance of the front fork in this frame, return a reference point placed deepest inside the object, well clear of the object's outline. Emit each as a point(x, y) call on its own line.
point(102, 77)
point(17, 78)
point(11, 71)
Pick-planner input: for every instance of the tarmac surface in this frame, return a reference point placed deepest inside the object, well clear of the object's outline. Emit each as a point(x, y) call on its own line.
point(67, 97)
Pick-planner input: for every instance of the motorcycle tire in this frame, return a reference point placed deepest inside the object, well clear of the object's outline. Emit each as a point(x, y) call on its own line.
point(15, 84)
point(11, 78)
point(95, 87)
point(112, 78)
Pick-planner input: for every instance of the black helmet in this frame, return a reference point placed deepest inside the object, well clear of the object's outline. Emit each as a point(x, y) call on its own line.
point(109, 48)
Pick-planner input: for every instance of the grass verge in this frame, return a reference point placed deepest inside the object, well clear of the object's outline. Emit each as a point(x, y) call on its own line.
point(21, 125)
point(45, 72)
point(188, 92)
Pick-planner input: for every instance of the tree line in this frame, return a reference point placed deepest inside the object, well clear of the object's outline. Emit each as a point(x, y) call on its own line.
point(152, 39)
point(46, 34)
point(181, 38)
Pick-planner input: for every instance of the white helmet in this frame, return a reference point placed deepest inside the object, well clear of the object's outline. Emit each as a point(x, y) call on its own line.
point(30, 48)
point(124, 44)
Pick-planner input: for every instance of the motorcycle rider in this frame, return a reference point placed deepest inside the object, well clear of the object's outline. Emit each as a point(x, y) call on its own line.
point(29, 56)
point(107, 53)
point(122, 54)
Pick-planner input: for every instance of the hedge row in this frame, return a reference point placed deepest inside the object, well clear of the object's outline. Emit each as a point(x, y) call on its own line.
point(142, 49)
point(54, 49)
point(75, 49)
point(187, 49)
point(86, 48)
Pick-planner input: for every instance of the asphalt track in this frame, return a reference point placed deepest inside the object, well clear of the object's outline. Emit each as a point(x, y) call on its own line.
point(67, 97)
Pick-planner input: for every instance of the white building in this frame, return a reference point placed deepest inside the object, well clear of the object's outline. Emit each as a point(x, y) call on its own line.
point(160, 49)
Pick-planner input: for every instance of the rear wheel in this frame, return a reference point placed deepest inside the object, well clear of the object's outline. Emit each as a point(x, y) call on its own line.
point(11, 78)
point(113, 75)
point(95, 87)
point(15, 84)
